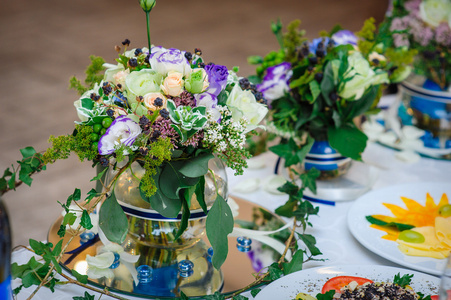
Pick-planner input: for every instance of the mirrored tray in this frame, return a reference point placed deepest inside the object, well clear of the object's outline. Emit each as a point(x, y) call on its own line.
point(237, 270)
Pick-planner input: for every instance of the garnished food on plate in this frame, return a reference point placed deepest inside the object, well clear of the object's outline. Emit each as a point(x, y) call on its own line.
point(353, 288)
point(419, 230)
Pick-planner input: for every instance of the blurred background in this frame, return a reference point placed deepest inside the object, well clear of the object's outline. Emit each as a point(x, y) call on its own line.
point(44, 43)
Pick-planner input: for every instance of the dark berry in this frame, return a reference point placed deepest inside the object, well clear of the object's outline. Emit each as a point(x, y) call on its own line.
point(119, 86)
point(258, 96)
point(126, 42)
point(313, 60)
point(320, 53)
point(201, 65)
point(320, 46)
point(140, 98)
point(143, 151)
point(310, 68)
point(319, 77)
point(143, 121)
point(244, 83)
point(253, 87)
point(133, 62)
point(188, 56)
point(305, 51)
point(333, 96)
point(392, 69)
point(147, 59)
point(375, 61)
point(107, 89)
point(155, 135)
point(331, 43)
point(429, 54)
point(95, 97)
point(110, 113)
point(104, 161)
point(138, 51)
point(197, 51)
point(164, 113)
point(158, 102)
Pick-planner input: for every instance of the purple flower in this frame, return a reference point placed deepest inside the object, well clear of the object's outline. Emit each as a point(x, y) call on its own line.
point(217, 77)
point(210, 101)
point(313, 46)
point(344, 37)
point(166, 60)
point(275, 82)
point(123, 131)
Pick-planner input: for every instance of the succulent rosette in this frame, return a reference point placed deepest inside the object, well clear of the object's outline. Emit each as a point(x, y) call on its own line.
point(316, 88)
point(161, 105)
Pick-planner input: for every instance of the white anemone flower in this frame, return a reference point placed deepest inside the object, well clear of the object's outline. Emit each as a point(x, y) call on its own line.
point(100, 265)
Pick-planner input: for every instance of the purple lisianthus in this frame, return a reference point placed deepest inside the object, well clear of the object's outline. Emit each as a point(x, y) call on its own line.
point(314, 45)
point(166, 60)
point(209, 101)
point(344, 37)
point(217, 77)
point(123, 131)
point(156, 50)
point(275, 82)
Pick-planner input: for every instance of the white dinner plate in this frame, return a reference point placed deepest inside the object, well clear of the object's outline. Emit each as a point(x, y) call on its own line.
point(370, 238)
point(311, 281)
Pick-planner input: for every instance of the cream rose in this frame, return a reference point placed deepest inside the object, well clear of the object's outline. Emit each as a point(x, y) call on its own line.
point(173, 84)
point(119, 77)
point(150, 98)
point(434, 12)
point(243, 104)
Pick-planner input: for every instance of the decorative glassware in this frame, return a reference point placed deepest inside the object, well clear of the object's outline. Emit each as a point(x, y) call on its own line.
point(445, 283)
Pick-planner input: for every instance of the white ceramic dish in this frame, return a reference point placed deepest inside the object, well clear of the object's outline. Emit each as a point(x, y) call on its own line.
point(311, 281)
point(370, 238)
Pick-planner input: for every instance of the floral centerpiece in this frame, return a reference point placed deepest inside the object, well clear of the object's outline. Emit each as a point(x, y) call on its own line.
point(425, 26)
point(170, 114)
point(316, 88)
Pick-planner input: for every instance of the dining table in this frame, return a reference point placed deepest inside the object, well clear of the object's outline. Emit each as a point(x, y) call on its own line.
point(329, 226)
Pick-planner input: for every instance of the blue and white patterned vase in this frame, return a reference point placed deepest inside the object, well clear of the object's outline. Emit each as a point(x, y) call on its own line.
point(327, 160)
point(430, 109)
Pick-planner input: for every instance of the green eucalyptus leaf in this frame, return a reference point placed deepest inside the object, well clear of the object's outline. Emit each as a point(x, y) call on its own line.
point(347, 140)
point(185, 218)
point(314, 89)
point(200, 193)
point(196, 166)
point(219, 224)
point(111, 210)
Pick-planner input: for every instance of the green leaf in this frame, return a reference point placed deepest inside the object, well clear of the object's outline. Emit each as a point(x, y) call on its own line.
point(79, 277)
point(171, 180)
point(99, 175)
point(24, 173)
point(185, 218)
point(62, 230)
point(200, 196)
point(111, 210)
point(91, 194)
point(402, 280)
point(86, 296)
point(219, 224)
point(309, 179)
point(399, 226)
point(168, 208)
point(327, 83)
point(27, 152)
point(274, 271)
point(38, 247)
point(359, 107)
point(69, 218)
point(197, 166)
point(347, 140)
point(255, 292)
point(295, 264)
point(310, 241)
point(314, 89)
point(326, 296)
point(86, 220)
point(240, 297)
point(286, 210)
point(289, 188)
point(87, 103)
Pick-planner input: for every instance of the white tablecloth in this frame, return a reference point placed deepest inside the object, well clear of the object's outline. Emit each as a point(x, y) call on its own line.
point(329, 227)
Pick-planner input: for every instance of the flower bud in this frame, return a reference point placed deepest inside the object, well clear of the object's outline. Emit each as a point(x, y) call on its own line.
point(147, 5)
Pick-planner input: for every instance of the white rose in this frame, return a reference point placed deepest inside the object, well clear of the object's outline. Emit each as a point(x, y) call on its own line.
point(142, 82)
point(434, 12)
point(243, 104)
point(173, 84)
point(111, 70)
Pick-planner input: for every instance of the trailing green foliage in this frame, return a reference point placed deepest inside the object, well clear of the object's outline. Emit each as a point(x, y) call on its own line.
point(92, 76)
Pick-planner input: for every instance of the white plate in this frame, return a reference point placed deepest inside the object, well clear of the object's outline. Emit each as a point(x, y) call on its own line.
point(371, 204)
point(311, 281)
